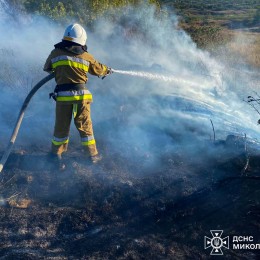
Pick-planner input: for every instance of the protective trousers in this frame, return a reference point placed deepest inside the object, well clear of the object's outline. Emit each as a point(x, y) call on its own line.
point(82, 121)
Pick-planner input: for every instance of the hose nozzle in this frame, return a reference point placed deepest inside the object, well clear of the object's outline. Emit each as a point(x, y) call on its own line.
point(109, 72)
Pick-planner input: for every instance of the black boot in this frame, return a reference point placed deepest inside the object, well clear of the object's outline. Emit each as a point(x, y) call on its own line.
point(96, 158)
point(57, 161)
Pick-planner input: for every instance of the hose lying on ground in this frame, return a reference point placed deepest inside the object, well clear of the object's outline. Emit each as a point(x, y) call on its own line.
point(20, 118)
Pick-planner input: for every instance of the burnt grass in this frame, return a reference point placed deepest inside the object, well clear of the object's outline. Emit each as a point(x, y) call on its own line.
point(122, 209)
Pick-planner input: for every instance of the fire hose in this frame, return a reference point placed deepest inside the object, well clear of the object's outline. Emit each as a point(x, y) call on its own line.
point(20, 119)
point(49, 77)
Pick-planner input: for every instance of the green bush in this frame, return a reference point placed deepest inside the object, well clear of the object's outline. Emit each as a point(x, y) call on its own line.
point(85, 11)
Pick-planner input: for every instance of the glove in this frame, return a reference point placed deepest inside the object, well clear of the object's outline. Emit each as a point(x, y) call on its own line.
point(109, 71)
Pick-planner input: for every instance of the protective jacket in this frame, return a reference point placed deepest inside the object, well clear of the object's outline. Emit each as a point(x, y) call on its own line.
point(70, 63)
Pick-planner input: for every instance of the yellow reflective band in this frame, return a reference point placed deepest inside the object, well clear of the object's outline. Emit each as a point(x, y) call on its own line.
point(71, 64)
point(74, 98)
point(60, 143)
point(64, 57)
point(90, 142)
point(104, 69)
point(75, 110)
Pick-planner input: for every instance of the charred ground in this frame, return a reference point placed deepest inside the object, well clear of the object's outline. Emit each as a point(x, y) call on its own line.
point(129, 207)
point(123, 210)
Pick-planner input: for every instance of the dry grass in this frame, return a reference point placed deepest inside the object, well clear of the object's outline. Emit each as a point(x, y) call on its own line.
point(243, 45)
point(246, 45)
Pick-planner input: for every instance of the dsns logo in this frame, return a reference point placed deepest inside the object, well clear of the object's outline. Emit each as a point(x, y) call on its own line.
point(216, 242)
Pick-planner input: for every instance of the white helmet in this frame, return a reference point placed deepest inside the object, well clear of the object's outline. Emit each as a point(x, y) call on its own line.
point(75, 33)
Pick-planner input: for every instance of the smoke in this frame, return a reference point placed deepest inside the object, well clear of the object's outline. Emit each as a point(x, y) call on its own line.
point(183, 87)
point(2, 201)
point(163, 92)
point(23, 52)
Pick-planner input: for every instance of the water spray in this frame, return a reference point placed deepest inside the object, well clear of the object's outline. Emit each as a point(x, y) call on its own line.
point(148, 75)
point(153, 76)
point(20, 119)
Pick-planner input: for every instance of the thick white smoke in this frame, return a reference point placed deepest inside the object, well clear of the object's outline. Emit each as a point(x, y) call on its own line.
point(138, 115)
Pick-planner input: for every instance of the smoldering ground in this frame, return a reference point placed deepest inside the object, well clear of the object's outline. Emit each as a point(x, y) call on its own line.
point(155, 136)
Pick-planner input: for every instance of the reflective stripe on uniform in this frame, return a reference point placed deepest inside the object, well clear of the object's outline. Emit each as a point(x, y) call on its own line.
point(75, 110)
point(64, 60)
point(104, 69)
point(88, 140)
point(60, 141)
point(74, 95)
point(75, 98)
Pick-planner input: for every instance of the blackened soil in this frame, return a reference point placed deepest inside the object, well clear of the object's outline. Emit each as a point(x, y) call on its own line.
point(124, 210)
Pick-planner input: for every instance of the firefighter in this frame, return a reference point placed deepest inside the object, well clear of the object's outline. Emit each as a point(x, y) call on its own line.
point(70, 63)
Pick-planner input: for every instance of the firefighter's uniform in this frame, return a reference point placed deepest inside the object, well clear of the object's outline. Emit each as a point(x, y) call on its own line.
point(70, 63)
